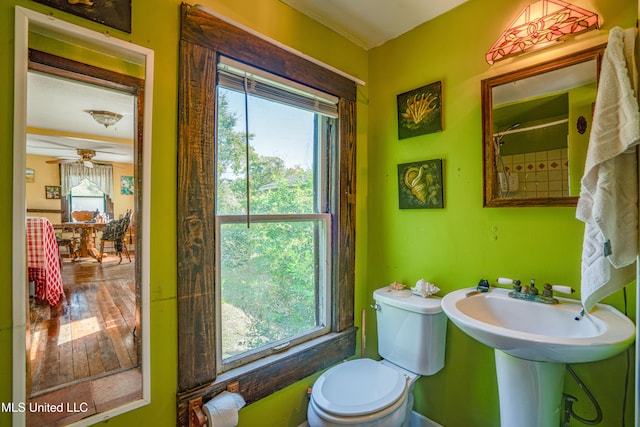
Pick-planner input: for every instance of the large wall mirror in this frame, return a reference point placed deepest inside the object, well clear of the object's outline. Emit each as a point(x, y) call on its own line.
point(82, 151)
point(536, 124)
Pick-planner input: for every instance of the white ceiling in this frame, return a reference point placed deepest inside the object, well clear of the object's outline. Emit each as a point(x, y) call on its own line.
point(370, 23)
point(58, 124)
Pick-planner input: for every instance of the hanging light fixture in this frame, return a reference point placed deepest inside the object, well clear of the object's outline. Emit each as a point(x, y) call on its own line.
point(106, 118)
point(539, 24)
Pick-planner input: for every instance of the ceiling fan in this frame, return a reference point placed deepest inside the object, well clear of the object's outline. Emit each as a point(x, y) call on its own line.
point(86, 157)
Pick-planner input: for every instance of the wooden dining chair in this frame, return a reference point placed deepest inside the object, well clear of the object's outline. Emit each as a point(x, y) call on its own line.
point(115, 232)
point(67, 239)
point(69, 245)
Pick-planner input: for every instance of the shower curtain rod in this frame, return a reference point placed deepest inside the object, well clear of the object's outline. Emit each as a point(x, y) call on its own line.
point(534, 127)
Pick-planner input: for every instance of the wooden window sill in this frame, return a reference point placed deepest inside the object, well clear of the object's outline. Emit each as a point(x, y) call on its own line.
point(265, 376)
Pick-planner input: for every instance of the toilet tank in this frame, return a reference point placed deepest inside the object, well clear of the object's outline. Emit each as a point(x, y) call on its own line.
point(411, 330)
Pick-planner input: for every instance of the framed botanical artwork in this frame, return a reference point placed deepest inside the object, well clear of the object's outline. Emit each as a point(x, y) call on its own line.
point(126, 185)
point(420, 185)
point(420, 111)
point(52, 191)
point(114, 13)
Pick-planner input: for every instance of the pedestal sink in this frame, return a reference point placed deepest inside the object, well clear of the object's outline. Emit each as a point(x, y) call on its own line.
point(532, 342)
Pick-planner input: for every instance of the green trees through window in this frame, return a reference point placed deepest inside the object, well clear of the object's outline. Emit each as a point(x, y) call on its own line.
point(273, 265)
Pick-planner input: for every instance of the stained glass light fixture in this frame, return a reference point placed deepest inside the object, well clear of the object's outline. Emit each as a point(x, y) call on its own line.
point(539, 24)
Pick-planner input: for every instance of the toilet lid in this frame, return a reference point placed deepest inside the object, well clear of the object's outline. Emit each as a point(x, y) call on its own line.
point(358, 387)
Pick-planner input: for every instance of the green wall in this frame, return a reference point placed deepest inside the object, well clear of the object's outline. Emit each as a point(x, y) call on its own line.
point(155, 25)
point(453, 247)
point(456, 246)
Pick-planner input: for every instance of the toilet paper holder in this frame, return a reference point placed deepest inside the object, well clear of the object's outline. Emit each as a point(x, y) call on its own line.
point(197, 418)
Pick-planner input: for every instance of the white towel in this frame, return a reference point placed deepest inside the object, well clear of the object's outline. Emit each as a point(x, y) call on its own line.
point(608, 201)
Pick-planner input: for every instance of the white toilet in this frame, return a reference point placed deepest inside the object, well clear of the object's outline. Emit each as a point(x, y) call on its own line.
point(367, 393)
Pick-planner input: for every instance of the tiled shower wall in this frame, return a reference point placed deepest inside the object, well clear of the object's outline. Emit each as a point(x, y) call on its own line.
point(539, 174)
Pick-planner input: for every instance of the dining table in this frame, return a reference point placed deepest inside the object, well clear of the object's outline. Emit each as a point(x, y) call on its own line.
point(87, 231)
point(43, 261)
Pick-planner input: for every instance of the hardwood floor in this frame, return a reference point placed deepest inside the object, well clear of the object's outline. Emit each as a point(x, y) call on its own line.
point(91, 333)
point(84, 399)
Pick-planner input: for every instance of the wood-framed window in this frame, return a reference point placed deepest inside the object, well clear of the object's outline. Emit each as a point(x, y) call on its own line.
point(204, 41)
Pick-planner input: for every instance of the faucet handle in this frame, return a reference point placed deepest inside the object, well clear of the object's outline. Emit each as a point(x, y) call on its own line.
point(532, 289)
point(563, 289)
point(506, 281)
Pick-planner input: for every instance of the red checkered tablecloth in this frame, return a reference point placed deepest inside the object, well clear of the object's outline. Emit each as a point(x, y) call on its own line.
point(43, 260)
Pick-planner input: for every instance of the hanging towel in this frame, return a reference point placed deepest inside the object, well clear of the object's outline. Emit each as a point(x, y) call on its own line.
point(608, 202)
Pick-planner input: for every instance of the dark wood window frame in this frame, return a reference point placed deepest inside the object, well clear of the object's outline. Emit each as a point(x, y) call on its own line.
point(203, 38)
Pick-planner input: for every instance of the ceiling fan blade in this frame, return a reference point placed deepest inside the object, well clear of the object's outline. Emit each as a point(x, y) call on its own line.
point(86, 159)
point(60, 161)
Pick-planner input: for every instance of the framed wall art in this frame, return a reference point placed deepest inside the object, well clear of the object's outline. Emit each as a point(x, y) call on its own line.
point(420, 185)
point(126, 185)
point(420, 111)
point(52, 191)
point(114, 13)
point(30, 175)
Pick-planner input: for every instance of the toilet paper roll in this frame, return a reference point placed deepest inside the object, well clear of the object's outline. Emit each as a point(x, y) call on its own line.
point(222, 410)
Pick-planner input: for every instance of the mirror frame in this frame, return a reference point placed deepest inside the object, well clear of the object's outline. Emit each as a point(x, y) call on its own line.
point(25, 21)
point(491, 197)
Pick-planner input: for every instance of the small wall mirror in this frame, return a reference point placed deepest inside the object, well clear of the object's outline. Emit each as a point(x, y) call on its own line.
point(82, 143)
point(536, 124)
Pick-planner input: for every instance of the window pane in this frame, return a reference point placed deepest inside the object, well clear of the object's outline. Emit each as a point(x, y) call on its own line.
point(87, 204)
point(272, 284)
point(86, 196)
point(86, 188)
point(282, 156)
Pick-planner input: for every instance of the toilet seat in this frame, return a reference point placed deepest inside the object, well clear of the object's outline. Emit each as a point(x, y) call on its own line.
point(358, 387)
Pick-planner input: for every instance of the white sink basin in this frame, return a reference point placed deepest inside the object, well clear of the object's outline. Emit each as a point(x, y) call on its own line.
point(539, 332)
point(532, 343)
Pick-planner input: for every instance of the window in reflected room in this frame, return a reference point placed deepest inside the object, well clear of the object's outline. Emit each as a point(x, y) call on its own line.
point(86, 196)
point(275, 154)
